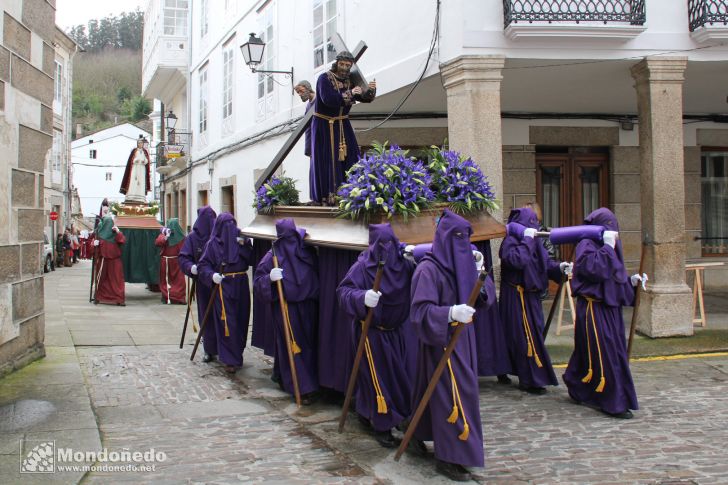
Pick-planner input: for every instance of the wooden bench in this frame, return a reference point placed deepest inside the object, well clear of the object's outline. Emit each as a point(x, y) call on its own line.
point(698, 303)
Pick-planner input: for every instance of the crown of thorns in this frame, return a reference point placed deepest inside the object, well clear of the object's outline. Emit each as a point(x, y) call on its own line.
point(344, 56)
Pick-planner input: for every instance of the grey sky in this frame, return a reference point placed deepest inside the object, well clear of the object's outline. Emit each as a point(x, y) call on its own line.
point(74, 12)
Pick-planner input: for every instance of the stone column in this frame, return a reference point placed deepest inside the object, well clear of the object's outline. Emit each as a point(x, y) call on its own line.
point(473, 86)
point(665, 309)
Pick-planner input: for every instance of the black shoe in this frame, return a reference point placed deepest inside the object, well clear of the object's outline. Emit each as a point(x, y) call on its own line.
point(385, 439)
point(208, 358)
point(504, 379)
point(623, 415)
point(533, 390)
point(453, 471)
point(417, 447)
point(308, 399)
point(364, 421)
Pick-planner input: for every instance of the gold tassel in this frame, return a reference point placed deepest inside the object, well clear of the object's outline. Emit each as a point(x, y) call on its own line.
point(538, 361)
point(295, 348)
point(342, 152)
point(454, 415)
point(194, 327)
point(530, 350)
point(382, 405)
point(602, 382)
point(466, 432)
point(588, 377)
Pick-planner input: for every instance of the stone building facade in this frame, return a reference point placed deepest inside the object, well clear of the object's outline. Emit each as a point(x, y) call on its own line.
point(27, 63)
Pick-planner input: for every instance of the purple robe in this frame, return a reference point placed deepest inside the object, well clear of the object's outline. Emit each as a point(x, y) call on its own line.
point(190, 255)
point(224, 255)
point(490, 333)
point(390, 332)
point(335, 356)
point(445, 278)
point(263, 332)
point(599, 274)
point(525, 264)
point(300, 289)
point(307, 135)
point(333, 99)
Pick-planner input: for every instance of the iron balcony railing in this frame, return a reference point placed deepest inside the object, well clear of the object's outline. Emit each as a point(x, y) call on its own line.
point(707, 12)
point(606, 11)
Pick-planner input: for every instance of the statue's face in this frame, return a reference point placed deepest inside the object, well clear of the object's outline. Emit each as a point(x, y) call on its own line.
point(344, 67)
point(303, 93)
point(140, 143)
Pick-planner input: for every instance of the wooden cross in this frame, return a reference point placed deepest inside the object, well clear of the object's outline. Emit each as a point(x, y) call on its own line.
point(357, 79)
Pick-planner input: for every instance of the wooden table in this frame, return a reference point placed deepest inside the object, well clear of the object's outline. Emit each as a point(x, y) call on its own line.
point(698, 303)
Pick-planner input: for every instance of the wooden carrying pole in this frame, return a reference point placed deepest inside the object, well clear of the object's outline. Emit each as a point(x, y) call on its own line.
point(557, 296)
point(438, 371)
point(637, 294)
point(207, 314)
point(287, 332)
point(360, 349)
point(187, 315)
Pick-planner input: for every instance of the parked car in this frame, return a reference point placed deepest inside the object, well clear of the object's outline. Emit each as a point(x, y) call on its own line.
point(47, 256)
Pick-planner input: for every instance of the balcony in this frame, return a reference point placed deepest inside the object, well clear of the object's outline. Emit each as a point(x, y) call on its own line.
point(708, 19)
point(166, 48)
point(172, 156)
point(606, 19)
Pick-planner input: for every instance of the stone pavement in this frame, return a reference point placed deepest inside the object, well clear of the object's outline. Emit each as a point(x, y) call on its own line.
point(115, 378)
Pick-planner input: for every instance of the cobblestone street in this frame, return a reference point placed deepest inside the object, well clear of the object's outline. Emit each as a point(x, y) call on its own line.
point(115, 378)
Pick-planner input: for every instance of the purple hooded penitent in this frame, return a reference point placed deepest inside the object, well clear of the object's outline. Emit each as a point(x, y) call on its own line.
point(525, 271)
point(301, 291)
point(391, 340)
point(601, 286)
point(223, 254)
point(190, 255)
point(443, 279)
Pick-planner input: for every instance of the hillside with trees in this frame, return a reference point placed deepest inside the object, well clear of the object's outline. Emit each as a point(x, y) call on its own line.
point(107, 74)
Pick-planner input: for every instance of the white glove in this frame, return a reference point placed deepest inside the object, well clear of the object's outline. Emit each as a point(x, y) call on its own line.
point(409, 248)
point(115, 229)
point(96, 242)
point(530, 232)
point(461, 313)
point(636, 278)
point(276, 274)
point(610, 238)
point(241, 241)
point(193, 269)
point(371, 298)
point(566, 268)
point(217, 278)
point(479, 260)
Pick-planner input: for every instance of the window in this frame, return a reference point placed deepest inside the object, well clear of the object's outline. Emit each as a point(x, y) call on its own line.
point(228, 67)
point(92, 154)
point(175, 17)
point(204, 13)
point(57, 150)
point(324, 27)
point(58, 85)
point(108, 176)
point(203, 99)
point(266, 83)
point(714, 188)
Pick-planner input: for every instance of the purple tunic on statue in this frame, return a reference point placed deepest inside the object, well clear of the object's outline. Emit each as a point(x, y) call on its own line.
point(525, 271)
point(190, 255)
point(223, 254)
point(442, 279)
point(490, 333)
point(389, 336)
point(333, 100)
point(301, 290)
point(599, 343)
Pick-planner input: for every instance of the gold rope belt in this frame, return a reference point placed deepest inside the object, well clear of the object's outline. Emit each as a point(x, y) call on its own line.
point(588, 377)
point(381, 401)
point(527, 328)
point(222, 299)
point(342, 139)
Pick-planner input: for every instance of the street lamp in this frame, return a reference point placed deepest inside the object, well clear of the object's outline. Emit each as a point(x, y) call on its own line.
point(171, 120)
point(253, 55)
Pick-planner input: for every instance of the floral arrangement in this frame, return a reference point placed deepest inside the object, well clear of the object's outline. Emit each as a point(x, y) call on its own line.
point(278, 191)
point(459, 182)
point(150, 209)
point(386, 180)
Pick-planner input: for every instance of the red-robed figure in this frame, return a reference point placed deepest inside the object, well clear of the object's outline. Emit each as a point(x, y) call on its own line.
point(109, 270)
point(171, 279)
point(137, 179)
